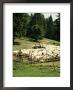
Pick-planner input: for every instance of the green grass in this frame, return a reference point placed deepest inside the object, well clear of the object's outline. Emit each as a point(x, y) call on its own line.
point(36, 70)
point(26, 43)
point(20, 69)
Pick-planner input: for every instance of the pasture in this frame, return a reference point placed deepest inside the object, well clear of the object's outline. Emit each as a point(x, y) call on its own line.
point(36, 70)
point(26, 69)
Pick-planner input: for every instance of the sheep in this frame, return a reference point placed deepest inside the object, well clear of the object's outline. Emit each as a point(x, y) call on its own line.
point(49, 52)
point(15, 53)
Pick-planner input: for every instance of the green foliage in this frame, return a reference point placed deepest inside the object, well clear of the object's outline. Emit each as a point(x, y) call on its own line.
point(20, 23)
point(57, 28)
point(36, 70)
point(50, 28)
point(39, 20)
point(35, 26)
point(36, 32)
point(53, 28)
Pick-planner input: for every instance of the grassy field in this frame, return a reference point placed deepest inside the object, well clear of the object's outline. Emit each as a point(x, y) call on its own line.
point(20, 69)
point(36, 70)
point(27, 44)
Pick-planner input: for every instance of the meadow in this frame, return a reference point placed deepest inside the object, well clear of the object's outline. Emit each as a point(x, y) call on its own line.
point(22, 69)
point(36, 70)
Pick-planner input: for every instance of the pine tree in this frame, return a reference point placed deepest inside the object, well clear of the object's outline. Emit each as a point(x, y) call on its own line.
point(50, 28)
point(57, 28)
point(36, 33)
point(36, 19)
point(20, 24)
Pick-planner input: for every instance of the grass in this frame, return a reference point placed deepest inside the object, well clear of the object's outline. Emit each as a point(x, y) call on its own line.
point(20, 69)
point(27, 44)
point(36, 70)
point(23, 43)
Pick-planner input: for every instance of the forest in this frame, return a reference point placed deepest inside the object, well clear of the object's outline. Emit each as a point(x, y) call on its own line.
point(36, 26)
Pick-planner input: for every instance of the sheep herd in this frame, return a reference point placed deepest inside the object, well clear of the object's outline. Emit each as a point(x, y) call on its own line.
point(43, 54)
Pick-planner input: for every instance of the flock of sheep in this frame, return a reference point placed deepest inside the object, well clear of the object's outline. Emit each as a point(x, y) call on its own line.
point(43, 54)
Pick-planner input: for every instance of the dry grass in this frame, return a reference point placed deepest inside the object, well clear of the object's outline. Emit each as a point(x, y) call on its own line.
point(27, 44)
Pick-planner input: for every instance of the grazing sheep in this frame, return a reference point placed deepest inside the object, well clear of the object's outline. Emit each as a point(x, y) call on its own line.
point(47, 53)
point(15, 53)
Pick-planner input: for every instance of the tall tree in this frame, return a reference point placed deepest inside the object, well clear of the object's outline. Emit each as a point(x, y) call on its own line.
point(17, 24)
point(50, 28)
point(36, 32)
point(20, 23)
point(37, 19)
point(25, 22)
point(57, 28)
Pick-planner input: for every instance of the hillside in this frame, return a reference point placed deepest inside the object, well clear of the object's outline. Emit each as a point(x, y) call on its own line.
point(26, 43)
point(33, 62)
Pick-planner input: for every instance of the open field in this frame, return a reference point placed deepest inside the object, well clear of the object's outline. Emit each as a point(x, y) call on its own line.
point(36, 70)
point(25, 69)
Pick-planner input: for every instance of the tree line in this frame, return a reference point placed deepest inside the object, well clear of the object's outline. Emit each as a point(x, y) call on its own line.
point(36, 26)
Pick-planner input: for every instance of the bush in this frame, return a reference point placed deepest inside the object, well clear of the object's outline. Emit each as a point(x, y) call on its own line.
point(36, 33)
